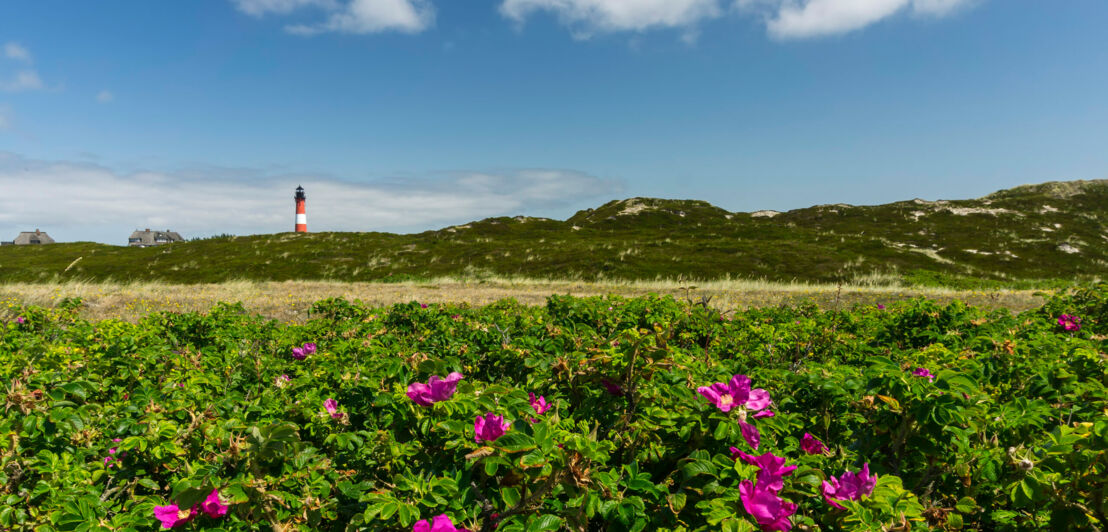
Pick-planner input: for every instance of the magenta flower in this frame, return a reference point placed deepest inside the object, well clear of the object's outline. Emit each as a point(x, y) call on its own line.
point(332, 407)
point(112, 454)
point(922, 372)
point(309, 348)
point(769, 510)
point(612, 388)
point(298, 353)
point(539, 405)
point(110, 457)
point(771, 469)
point(282, 381)
point(811, 445)
point(849, 486)
point(880, 306)
point(490, 427)
point(750, 434)
point(735, 393)
point(213, 506)
point(20, 320)
point(437, 389)
point(423, 305)
point(1069, 323)
point(441, 523)
point(171, 516)
point(763, 413)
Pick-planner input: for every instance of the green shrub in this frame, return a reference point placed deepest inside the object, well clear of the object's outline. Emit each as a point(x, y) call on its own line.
point(105, 421)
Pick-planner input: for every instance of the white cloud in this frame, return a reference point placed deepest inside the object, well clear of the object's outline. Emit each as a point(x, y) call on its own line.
point(26, 80)
point(592, 16)
point(259, 8)
point(798, 19)
point(15, 51)
point(352, 16)
point(938, 7)
point(95, 202)
point(104, 96)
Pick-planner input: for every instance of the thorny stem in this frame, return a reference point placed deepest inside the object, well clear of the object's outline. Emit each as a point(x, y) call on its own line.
point(522, 505)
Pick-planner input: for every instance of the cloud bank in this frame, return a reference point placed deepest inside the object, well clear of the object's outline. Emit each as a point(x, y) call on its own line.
point(352, 16)
point(87, 201)
point(800, 19)
point(784, 19)
point(593, 16)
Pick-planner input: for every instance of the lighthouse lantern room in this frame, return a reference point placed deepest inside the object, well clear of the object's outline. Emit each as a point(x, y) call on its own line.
point(301, 214)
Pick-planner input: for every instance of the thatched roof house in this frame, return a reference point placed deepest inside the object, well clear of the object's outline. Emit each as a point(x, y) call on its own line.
point(32, 237)
point(148, 238)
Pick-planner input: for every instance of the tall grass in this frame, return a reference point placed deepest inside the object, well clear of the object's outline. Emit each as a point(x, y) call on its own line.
point(290, 300)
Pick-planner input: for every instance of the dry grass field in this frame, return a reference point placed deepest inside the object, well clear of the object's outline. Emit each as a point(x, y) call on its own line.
point(289, 301)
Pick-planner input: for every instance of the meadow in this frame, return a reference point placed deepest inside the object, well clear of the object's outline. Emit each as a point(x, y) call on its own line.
point(290, 301)
point(596, 413)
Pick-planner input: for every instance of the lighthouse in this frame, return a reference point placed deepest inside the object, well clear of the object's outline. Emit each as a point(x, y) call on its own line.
point(301, 215)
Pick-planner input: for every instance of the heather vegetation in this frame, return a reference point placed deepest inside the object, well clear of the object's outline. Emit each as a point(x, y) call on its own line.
point(586, 414)
point(1042, 236)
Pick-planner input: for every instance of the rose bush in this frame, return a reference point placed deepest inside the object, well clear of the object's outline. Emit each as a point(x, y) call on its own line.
point(586, 414)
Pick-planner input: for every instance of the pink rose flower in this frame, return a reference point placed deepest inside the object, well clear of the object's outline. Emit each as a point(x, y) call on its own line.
point(440, 523)
point(539, 405)
point(489, 427)
point(811, 445)
point(332, 407)
point(213, 506)
point(171, 516)
point(922, 372)
point(735, 393)
point(436, 389)
point(768, 509)
point(849, 486)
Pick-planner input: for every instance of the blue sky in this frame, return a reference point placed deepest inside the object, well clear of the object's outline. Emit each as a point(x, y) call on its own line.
point(405, 115)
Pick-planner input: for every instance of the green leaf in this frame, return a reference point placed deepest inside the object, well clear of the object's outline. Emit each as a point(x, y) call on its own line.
point(1029, 487)
point(75, 388)
point(723, 431)
point(699, 467)
point(453, 427)
point(544, 523)
point(532, 459)
point(408, 514)
point(966, 505)
point(514, 442)
point(491, 464)
point(676, 501)
point(510, 495)
point(388, 509)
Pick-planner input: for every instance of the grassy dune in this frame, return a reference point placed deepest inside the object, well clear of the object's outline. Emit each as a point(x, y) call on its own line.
point(290, 300)
point(1043, 236)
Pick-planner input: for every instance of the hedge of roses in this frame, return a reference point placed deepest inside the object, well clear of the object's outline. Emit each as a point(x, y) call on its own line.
point(586, 414)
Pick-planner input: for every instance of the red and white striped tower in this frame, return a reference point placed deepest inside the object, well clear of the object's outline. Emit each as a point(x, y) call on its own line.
point(301, 215)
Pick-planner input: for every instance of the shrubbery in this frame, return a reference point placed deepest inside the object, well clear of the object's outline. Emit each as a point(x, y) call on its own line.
point(930, 417)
